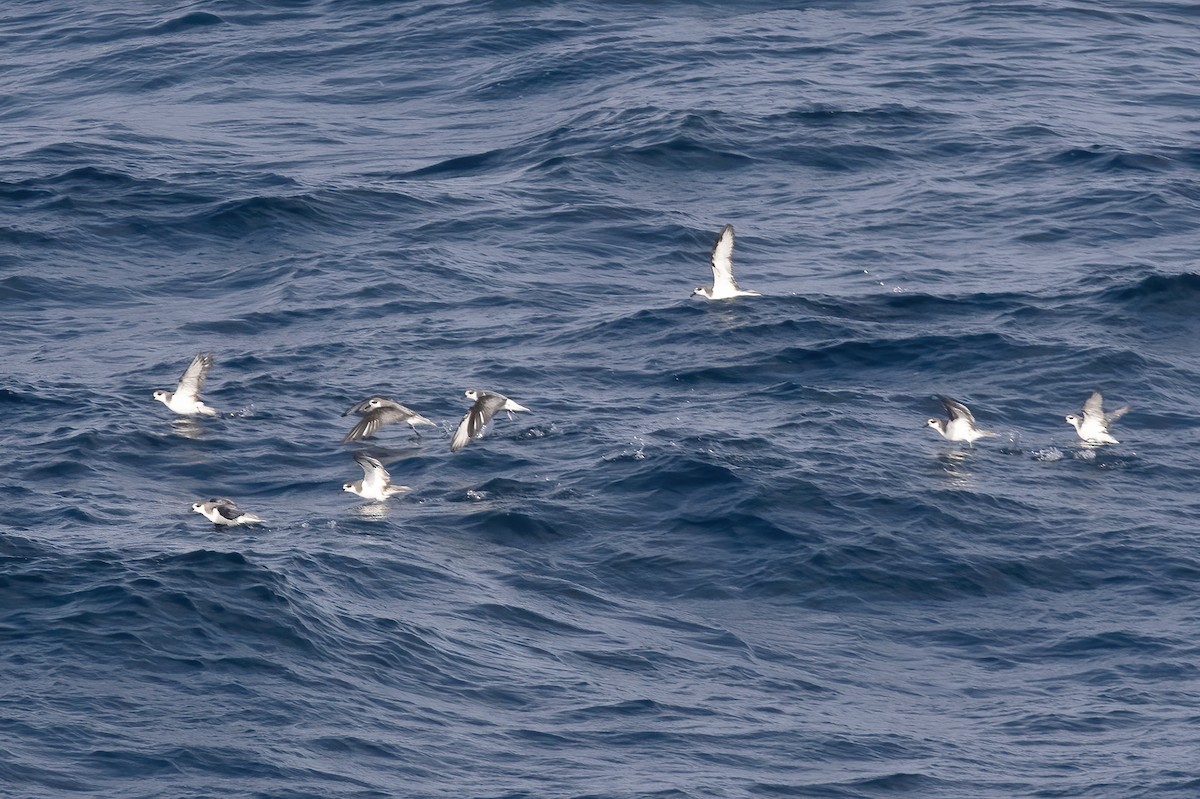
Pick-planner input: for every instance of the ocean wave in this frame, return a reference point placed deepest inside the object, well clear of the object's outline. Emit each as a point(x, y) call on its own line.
point(1157, 293)
point(724, 554)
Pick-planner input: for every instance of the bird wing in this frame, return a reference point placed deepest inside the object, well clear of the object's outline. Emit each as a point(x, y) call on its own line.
point(373, 471)
point(1117, 414)
point(722, 259)
point(956, 410)
point(193, 377)
point(389, 412)
point(476, 419)
point(1093, 409)
point(462, 435)
point(228, 510)
point(486, 407)
point(358, 407)
point(367, 426)
point(395, 412)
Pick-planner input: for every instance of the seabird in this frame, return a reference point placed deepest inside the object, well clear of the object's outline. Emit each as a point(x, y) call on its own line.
point(1093, 427)
point(185, 399)
point(378, 411)
point(376, 483)
point(961, 424)
point(224, 512)
point(487, 403)
point(724, 286)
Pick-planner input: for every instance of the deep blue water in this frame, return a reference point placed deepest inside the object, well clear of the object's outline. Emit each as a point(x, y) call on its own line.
point(723, 557)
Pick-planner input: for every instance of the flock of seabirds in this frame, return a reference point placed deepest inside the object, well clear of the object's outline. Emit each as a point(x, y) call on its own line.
point(376, 412)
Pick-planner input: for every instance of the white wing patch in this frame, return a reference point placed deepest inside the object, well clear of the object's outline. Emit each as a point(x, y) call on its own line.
point(722, 262)
point(192, 380)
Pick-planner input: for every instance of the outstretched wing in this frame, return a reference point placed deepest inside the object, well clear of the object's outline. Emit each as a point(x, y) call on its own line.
point(388, 412)
point(1117, 414)
point(358, 407)
point(956, 410)
point(476, 419)
point(193, 377)
point(1093, 409)
point(463, 434)
point(722, 260)
point(367, 426)
point(373, 471)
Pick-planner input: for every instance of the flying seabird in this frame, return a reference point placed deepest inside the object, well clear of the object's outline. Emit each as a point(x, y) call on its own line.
point(1093, 427)
point(185, 399)
point(961, 424)
point(479, 414)
point(378, 411)
point(224, 512)
point(376, 483)
point(724, 286)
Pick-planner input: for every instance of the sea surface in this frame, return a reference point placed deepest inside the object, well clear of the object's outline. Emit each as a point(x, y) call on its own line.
point(724, 556)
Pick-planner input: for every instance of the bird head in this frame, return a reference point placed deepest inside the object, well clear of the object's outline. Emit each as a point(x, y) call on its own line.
point(162, 396)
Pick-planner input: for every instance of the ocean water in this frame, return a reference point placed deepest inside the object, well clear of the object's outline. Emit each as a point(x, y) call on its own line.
point(723, 556)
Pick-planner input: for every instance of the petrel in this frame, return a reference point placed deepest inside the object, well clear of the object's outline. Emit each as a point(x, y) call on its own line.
point(1093, 427)
point(724, 286)
point(185, 399)
point(961, 424)
point(376, 483)
point(223, 512)
point(378, 411)
point(487, 403)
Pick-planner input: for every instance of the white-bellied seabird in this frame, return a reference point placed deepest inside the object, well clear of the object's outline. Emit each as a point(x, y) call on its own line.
point(487, 403)
point(724, 286)
point(961, 424)
point(185, 399)
point(378, 411)
point(1093, 427)
point(224, 512)
point(376, 483)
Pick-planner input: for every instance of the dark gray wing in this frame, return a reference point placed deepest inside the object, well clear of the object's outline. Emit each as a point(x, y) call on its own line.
point(367, 426)
point(228, 510)
point(484, 409)
point(358, 407)
point(956, 410)
point(476, 419)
